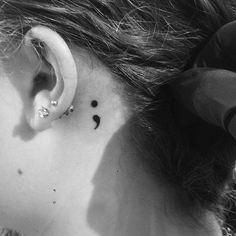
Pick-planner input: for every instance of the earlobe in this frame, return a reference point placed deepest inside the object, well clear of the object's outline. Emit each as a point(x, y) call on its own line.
point(48, 106)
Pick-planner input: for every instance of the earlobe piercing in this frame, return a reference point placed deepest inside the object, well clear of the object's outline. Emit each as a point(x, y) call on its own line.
point(43, 112)
point(54, 103)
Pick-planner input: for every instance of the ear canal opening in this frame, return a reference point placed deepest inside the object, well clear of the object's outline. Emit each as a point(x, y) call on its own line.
point(45, 79)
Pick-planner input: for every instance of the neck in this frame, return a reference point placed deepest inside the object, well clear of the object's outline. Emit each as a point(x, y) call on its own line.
point(127, 200)
point(135, 204)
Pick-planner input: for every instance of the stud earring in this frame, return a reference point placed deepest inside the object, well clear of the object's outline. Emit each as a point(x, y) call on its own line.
point(43, 112)
point(69, 110)
point(54, 103)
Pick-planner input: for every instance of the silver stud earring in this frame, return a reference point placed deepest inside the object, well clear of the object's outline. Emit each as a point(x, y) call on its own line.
point(69, 110)
point(43, 112)
point(54, 103)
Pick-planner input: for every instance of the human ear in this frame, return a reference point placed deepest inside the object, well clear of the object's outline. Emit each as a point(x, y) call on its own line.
point(49, 105)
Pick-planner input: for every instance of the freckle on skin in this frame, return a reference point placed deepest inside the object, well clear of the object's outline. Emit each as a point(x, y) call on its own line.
point(54, 202)
point(54, 190)
point(20, 172)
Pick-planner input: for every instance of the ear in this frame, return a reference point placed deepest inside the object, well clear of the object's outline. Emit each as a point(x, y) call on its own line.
point(49, 104)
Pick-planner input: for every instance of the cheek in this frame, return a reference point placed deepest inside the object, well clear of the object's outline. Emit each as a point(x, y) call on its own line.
point(26, 183)
point(11, 108)
point(32, 167)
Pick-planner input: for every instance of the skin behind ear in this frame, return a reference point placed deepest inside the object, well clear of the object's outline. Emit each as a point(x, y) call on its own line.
point(48, 106)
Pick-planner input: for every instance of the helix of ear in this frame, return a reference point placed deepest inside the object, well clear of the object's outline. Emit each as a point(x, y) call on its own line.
point(48, 106)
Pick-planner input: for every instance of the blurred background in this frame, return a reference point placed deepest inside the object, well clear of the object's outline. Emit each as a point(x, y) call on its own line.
point(231, 214)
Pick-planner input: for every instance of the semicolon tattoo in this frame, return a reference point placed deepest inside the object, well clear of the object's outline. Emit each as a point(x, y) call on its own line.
point(96, 118)
point(94, 103)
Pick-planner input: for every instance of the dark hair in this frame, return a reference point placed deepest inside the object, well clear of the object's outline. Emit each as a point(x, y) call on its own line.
point(146, 44)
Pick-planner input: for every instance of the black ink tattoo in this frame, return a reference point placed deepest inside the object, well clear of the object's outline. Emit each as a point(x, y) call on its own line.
point(94, 103)
point(97, 120)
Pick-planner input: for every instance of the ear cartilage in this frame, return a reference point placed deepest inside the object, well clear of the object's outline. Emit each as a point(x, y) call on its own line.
point(49, 105)
point(43, 112)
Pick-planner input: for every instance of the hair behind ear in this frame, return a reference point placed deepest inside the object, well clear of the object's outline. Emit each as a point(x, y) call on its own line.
point(208, 15)
point(146, 45)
